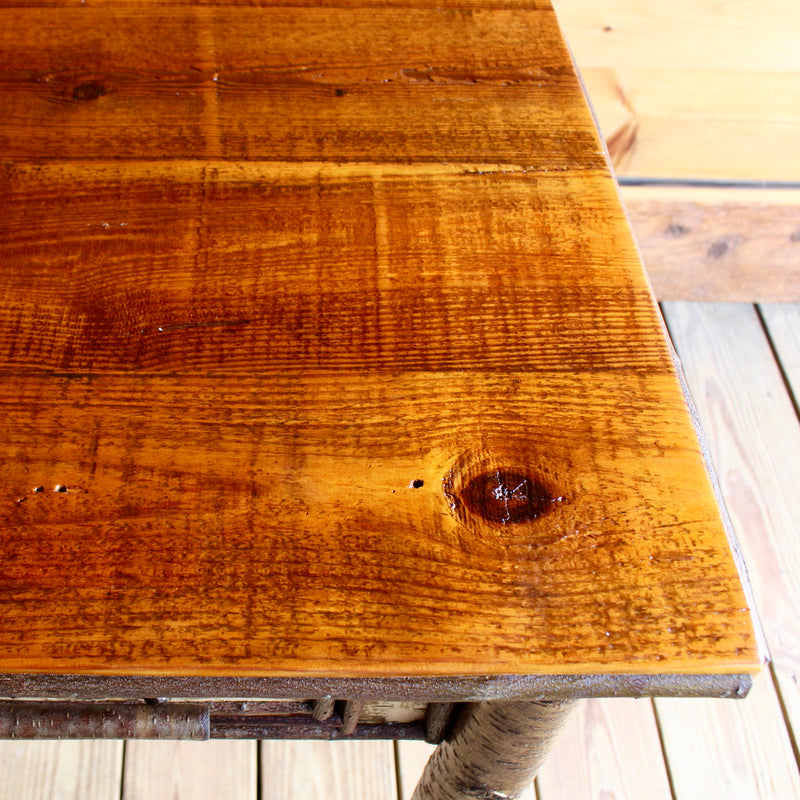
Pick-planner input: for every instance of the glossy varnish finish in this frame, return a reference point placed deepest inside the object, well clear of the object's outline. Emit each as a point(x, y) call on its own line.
point(325, 350)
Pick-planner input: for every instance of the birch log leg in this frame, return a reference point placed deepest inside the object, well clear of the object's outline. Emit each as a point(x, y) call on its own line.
point(494, 750)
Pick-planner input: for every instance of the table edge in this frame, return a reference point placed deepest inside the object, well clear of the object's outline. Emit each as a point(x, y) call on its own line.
point(426, 689)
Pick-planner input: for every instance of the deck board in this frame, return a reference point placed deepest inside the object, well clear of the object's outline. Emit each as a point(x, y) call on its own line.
point(328, 770)
point(190, 770)
point(754, 432)
point(729, 751)
point(610, 749)
point(755, 441)
point(77, 770)
point(716, 244)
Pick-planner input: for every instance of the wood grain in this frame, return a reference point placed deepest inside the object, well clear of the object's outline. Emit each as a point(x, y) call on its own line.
point(217, 457)
point(339, 363)
point(724, 245)
point(756, 438)
point(610, 750)
point(324, 771)
point(356, 268)
point(60, 770)
point(190, 770)
point(291, 84)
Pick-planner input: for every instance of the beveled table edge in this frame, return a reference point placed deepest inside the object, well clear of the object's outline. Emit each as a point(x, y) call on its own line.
point(433, 690)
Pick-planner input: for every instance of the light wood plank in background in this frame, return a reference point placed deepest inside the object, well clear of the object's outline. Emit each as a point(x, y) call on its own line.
point(411, 758)
point(157, 770)
point(692, 88)
point(736, 750)
point(713, 244)
point(689, 34)
point(52, 770)
point(755, 440)
point(698, 125)
point(611, 749)
point(327, 770)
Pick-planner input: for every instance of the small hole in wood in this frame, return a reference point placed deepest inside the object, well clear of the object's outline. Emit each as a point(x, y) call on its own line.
point(417, 484)
point(38, 488)
point(60, 488)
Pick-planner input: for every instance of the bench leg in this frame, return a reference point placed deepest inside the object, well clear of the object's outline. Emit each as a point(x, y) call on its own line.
point(494, 750)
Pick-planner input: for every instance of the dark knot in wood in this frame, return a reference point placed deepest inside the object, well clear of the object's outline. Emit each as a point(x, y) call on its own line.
point(507, 497)
point(88, 91)
point(489, 488)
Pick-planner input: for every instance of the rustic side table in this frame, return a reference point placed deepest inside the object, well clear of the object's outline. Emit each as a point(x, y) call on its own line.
point(335, 400)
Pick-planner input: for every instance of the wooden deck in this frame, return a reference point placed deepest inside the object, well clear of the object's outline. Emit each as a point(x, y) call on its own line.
point(700, 104)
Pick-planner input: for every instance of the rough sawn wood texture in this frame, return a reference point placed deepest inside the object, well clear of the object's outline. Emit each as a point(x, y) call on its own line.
point(325, 351)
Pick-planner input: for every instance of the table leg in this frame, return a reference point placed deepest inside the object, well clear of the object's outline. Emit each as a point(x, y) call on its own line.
point(494, 750)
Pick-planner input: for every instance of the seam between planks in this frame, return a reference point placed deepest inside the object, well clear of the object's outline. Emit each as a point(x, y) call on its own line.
point(778, 362)
point(662, 744)
point(784, 712)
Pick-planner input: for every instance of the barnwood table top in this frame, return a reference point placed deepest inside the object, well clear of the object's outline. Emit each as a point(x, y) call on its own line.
point(327, 353)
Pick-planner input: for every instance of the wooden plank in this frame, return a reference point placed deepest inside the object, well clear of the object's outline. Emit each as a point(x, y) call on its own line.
point(169, 770)
point(610, 749)
point(693, 34)
point(298, 84)
point(60, 770)
point(729, 751)
point(755, 439)
point(783, 324)
point(684, 89)
point(328, 770)
point(353, 267)
point(450, 574)
point(711, 244)
point(697, 125)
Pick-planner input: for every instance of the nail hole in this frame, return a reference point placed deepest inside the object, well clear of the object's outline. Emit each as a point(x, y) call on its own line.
point(418, 483)
point(38, 488)
point(60, 488)
point(608, 29)
point(340, 93)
